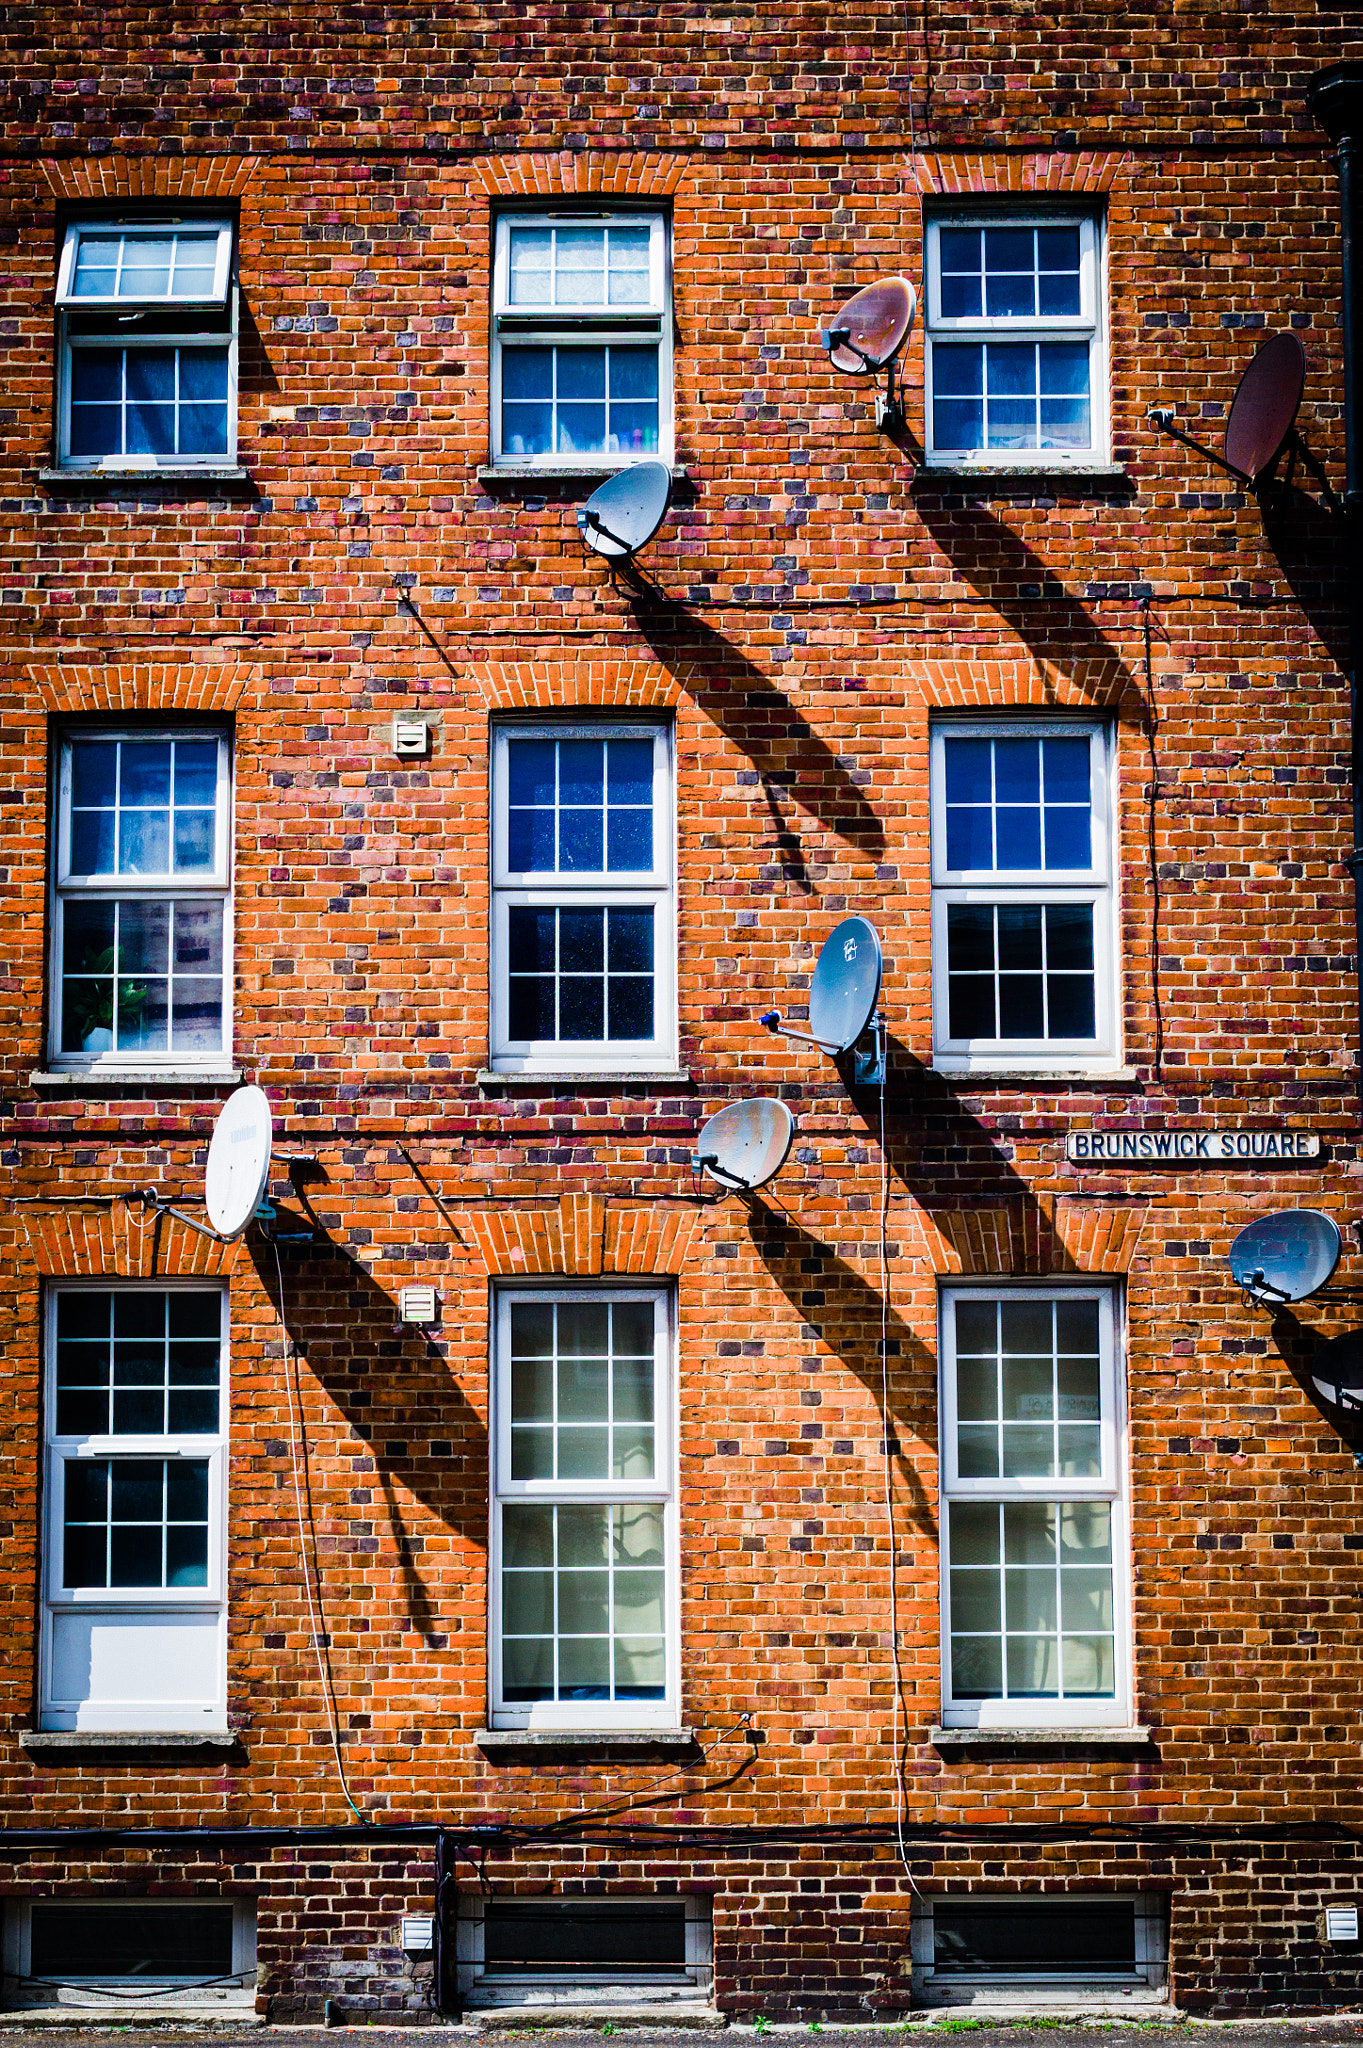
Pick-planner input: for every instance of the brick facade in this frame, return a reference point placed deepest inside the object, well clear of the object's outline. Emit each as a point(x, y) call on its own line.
point(820, 596)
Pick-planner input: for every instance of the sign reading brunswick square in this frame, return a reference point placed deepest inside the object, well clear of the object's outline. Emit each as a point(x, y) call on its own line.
point(1190, 1148)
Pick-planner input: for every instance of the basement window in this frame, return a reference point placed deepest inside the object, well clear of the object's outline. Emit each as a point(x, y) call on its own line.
point(554, 1951)
point(1082, 1948)
point(132, 1956)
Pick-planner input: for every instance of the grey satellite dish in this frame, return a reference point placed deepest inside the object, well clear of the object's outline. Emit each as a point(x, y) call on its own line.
point(745, 1144)
point(623, 514)
point(238, 1161)
point(1285, 1257)
point(843, 997)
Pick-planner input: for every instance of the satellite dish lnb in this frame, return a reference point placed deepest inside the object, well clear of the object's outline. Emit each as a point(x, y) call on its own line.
point(238, 1168)
point(1286, 1257)
point(866, 336)
point(842, 999)
point(623, 514)
point(745, 1144)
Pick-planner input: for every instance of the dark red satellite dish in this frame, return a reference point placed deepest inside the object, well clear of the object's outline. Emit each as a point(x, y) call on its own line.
point(1263, 411)
point(867, 333)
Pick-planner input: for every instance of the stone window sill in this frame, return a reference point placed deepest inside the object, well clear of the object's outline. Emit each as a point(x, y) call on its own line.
point(1021, 1741)
point(526, 1744)
point(65, 1741)
point(674, 1077)
point(88, 1079)
point(140, 479)
point(1003, 476)
point(1038, 1077)
point(522, 473)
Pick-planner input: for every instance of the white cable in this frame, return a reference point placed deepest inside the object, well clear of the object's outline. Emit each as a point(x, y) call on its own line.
point(889, 1487)
point(328, 1701)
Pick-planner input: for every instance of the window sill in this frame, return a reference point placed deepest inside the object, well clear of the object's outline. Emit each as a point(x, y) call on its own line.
point(1002, 474)
point(975, 1077)
point(510, 2007)
point(65, 1741)
point(565, 1081)
point(86, 1079)
point(1021, 1741)
point(139, 479)
point(517, 1744)
point(575, 473)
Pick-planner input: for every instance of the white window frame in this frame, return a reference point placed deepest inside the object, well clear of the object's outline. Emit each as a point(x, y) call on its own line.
point(137, 323)
point(108, 1995)
point(634, 889)
point(151, 888)
point(480, 1988)
point(208, 1716)
point(661, 1491)
point(1090, 322)
point(1087, 1990)
point(591, 326)
point(1095, 885)
point(1110, 1487)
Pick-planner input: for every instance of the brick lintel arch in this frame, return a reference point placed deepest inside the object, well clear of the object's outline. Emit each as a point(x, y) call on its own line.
point(1038, 1239)
point(583, 1236)
point(117, 688)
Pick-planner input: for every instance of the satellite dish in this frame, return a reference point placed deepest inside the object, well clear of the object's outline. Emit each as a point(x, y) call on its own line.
point(1285, 1257)
point(842, 995)
point(623, 514)
point(867, 333)
point(1263, 411)
point(744, 1145)
point(238, 1161)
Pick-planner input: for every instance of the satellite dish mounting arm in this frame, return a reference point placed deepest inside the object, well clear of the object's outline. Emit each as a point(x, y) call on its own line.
point(1161, 416)
point(772, 1020)
point(152, 1198)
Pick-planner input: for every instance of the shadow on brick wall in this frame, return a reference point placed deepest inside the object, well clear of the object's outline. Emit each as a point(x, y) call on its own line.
point(394, 1386)
point(1056, 626)
point(1309, 543)
point(844, 1312)
point(760, 720)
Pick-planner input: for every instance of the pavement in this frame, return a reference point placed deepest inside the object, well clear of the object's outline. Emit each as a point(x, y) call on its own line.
point(1341, 2030)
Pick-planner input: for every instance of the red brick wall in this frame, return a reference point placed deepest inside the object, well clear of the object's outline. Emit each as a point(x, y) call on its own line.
point(830, 601)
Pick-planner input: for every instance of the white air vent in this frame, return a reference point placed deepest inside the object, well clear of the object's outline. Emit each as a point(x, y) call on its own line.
point(418, 1933)
point(411, 736)
point(417, 1304)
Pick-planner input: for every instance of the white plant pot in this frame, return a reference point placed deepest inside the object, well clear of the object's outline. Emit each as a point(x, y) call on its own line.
point(98, 1039)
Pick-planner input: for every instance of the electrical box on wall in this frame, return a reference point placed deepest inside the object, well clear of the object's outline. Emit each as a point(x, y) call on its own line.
point(411, 736)
point(417, 1305)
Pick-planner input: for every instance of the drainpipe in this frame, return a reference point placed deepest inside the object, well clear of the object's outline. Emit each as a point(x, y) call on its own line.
point(1335, 97)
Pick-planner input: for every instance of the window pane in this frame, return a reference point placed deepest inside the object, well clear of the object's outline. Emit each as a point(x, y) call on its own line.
point(96, 266)
point(975, 1601)
point(1033, 1667)
point(974, 1532)
point(530, 268)
point(629, 266)
point(579, 266)
point(581, 373)
point(976, 1667)
point(88, 934)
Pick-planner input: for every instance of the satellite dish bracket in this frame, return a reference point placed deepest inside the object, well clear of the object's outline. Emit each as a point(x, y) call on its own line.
point(1259, 1292)
point(891, 417)
point(868, 1062)
point(709, 1161)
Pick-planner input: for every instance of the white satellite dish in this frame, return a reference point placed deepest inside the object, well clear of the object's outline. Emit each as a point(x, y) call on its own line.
point(744, 1145)
point(623, 514)
point(238, 1170)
